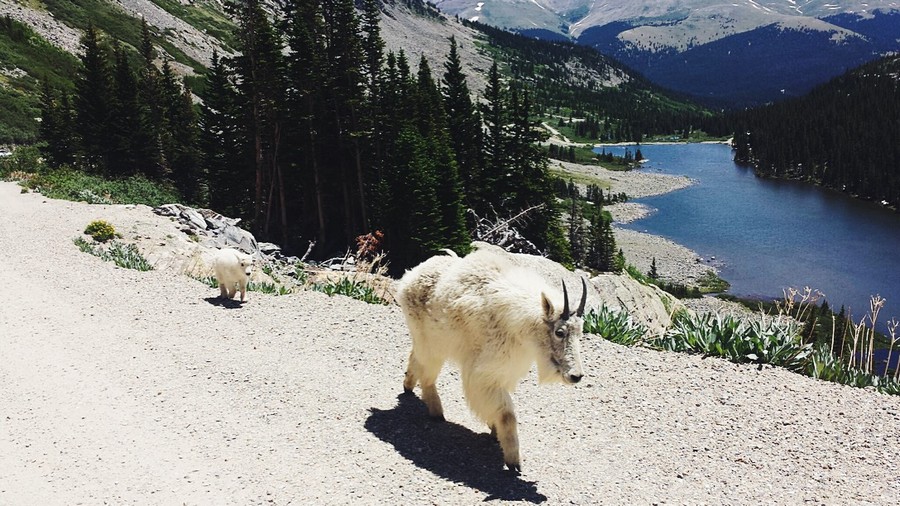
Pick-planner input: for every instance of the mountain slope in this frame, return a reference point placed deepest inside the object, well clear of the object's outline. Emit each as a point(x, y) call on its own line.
point(189, 33)
point(688, 46)
point(845, 134)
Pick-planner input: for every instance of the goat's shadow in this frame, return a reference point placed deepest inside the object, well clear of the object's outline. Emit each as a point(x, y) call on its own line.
point(224, 303)
point(449, 450)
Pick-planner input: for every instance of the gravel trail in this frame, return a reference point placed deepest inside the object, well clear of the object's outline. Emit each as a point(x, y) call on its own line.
point(123, 387)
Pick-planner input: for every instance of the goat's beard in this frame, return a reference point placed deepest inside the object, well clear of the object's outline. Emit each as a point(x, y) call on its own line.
point(548, 372)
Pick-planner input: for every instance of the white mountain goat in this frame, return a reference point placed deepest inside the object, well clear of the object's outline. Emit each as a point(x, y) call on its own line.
point(494, 319)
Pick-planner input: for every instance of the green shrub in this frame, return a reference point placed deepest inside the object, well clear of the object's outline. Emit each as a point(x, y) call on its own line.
point(765, 340)
point(100, 230)
point(70, 184)
point(124, 255)
point(350, 288)
point(268, 288)
point(615, 326)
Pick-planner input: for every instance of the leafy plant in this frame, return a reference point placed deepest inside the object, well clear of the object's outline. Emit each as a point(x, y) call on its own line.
point(70, 184)
point(350, 288)
point(124, 255)
point(615, 326)
point(765, 340)
point(100, 230)
point(267, 288)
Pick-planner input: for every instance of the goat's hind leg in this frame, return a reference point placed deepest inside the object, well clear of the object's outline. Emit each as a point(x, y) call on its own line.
point(425, 372)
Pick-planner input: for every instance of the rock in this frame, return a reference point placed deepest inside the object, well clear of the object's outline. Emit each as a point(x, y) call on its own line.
point(223, 231)
point(647, 304)
point(235, 237)
point(269, 248)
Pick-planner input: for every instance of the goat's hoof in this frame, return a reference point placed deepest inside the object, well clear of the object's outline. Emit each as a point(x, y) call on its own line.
point(514, 468)
point(407, 391)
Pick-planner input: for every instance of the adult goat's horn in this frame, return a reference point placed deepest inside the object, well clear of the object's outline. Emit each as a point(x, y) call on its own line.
point(580, 311)
point(565, 313)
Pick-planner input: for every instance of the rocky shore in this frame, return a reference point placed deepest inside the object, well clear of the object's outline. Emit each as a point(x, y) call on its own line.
point(674, 262)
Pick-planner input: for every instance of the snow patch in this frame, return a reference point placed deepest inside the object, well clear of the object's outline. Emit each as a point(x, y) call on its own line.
point(478, 6)
point(473, 19)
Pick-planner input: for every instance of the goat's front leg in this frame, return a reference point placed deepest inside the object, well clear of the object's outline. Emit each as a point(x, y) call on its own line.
point(494, 405)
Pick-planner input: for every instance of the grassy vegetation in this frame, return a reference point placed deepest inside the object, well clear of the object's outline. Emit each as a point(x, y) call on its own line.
point(779, 340)
point(351, 288)
point(26, 59)
point(126, 256)
point(70, 184)
point(115, 22)
point(204, 16)
point(584, 179)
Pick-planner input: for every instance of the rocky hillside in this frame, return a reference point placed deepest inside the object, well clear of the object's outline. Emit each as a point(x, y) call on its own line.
point(726, 53)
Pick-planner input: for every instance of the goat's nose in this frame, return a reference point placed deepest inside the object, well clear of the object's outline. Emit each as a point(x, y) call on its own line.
point(575, 378)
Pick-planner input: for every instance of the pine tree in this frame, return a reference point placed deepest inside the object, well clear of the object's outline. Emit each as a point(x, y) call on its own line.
point(222, 158)
point(57, 127)
point(305, 110)
point(258, 67)
point(433, 129)
point(148, 140)
point(93, 93)
point(123, 117)
point(414, 229)
point(464, 125)
point(186, 167)
point(492, 181)
point(345, 85)
point(653, 273)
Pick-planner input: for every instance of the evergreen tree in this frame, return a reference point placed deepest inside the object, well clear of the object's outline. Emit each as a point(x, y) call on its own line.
point(305, 109)
point(602, 247)
point(259, 71)
point(653, 273)
point(576, 231)
point(345, 85)
point(123, 117)
point(57, 127)
point(222, 159)
point(185, 163)
point(148, 138)
point(464, 125)
point(433, 129)
point(414, 229)
point(491, 185)
point(372, 44)
point(93, 92)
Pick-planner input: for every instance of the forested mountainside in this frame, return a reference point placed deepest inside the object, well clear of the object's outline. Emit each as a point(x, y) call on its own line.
point(732, 53)
point(38, 42)
point(315, 132)
point(843, 135)
point(578, 80)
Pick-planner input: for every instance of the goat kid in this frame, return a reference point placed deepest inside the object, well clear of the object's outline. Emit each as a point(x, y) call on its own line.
point(494, 319)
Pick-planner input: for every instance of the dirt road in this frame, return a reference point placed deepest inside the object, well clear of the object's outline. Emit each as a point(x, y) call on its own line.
point(122, 387)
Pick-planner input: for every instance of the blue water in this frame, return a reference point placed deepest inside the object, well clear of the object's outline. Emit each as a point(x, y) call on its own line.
point(767, 235)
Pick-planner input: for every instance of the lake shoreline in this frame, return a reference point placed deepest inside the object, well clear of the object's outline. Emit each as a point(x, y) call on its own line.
point(674, 262)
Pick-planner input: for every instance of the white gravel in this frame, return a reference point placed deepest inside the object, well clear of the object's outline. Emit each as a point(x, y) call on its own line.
point(119, 386)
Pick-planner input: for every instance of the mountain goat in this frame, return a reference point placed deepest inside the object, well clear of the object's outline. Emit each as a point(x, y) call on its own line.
point(494, 319)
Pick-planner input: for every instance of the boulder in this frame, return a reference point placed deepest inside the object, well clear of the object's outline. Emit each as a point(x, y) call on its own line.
point(647, 304)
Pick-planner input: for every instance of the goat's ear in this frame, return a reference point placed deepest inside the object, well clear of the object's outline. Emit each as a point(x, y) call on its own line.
point(547, 306)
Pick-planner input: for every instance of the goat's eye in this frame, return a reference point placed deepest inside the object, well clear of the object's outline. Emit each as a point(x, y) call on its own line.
point(560, 332)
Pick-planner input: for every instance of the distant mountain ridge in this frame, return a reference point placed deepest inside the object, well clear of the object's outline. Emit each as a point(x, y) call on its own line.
point(728, 54)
